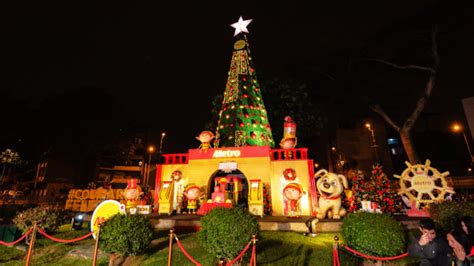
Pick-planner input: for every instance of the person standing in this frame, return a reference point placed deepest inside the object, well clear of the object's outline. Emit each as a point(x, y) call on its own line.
point(431, 249)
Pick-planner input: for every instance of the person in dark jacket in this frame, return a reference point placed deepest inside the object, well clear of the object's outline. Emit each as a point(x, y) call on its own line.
point(431, 249)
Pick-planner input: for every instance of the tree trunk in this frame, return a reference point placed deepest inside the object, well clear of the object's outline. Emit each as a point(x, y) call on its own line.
point(406, 127)
point(409, 147)
point(3, 172)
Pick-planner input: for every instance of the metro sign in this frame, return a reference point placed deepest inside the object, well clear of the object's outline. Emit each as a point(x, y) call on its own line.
point(226, 153)
point(229, 152)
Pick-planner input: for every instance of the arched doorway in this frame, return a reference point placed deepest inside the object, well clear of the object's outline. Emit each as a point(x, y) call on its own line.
point(234, 178)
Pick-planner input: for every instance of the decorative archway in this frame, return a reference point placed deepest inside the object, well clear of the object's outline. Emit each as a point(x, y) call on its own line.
point(229, 181)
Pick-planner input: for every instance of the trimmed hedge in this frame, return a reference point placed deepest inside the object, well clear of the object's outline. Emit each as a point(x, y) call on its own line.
point(226, 231)
point(126, 234)
point(374, 234)
point(447, 213)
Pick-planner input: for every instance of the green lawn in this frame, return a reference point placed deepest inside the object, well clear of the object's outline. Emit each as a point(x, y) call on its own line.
point(273, 248)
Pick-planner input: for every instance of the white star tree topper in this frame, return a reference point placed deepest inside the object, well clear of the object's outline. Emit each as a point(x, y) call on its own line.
point(241, 26)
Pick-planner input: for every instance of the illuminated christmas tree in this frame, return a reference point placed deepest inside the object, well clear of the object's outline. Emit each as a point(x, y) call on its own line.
point(376, 188)
point(243, 119)
point(384, 194)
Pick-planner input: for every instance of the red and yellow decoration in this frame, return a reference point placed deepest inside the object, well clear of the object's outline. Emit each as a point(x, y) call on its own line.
point(192, 193)
point(289, 134)
point(205, 138)
point(132, 194)
point(292, 194)
point(289, 174)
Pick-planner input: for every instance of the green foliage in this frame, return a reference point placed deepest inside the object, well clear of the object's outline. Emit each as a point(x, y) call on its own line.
point(126, 234)
point(447, 213)
point(47, 218)
point(225, 232)
point(374, 234)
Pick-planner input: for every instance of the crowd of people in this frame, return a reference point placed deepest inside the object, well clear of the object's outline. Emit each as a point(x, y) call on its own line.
point(454, 248)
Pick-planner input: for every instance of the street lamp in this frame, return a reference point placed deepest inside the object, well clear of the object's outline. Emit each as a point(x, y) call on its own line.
point(160, 151)
point(458, 128)
point(150, 149)
point(374, 142)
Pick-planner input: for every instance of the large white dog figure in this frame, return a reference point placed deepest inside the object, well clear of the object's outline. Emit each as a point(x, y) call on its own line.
point(330, 187)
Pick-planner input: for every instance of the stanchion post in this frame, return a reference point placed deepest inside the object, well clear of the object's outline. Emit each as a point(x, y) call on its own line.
point(170, 246)
point(335, 254)
point(32, 243)
point(96, 248)
point(254, 241)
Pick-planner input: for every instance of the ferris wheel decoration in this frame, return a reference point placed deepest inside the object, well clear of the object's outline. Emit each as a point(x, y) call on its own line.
point(423, 184)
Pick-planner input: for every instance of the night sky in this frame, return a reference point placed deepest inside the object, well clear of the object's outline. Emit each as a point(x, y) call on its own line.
point(163, 63)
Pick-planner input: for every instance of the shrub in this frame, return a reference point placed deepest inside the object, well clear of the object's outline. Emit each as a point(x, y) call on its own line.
point(225, 232)
point(374, 234)
point(446, 214)
point(47, 218)
point(126, 234)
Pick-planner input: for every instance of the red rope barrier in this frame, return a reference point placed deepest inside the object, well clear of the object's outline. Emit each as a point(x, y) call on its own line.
point(185, 252)
point(18, 240)
point(240, 255)
point(376, 258)
point(64, 240)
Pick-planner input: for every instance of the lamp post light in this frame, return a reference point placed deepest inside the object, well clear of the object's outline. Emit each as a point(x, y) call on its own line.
point(458, 128)
point(150, 149)
point(160, 151)
point(374, 142)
